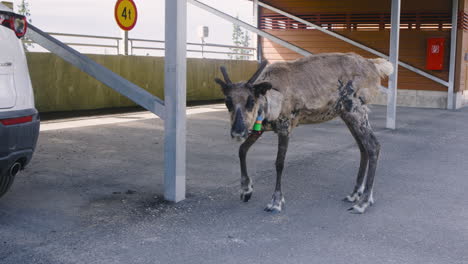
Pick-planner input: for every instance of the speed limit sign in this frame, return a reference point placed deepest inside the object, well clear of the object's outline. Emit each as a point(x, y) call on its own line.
point(126, 14)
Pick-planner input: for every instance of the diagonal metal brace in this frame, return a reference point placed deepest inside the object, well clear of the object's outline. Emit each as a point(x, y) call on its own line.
point(354, 43)
point(249, 27)
point(132, 91)
point(257, 31)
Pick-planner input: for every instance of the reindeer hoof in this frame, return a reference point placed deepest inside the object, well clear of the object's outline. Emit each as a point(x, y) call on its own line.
point(361, 206)
point(246, 193)
point(245, 196)
point(273, 209)
point(353, 198)
point(276, 205)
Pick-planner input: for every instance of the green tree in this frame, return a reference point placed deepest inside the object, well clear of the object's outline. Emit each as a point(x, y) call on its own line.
point(23, 9)
point(240, 38)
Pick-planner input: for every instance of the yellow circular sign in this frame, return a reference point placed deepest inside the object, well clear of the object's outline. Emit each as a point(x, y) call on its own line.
point(126, 14)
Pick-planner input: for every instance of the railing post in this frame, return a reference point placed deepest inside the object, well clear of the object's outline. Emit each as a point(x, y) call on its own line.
point(175, 77)
point(131, 46)
point(394, 50)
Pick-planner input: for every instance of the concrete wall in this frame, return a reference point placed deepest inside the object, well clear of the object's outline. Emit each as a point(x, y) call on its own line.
point(416, 98)
point(58, 86)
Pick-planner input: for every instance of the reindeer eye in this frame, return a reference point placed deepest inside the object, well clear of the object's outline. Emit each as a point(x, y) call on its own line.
point(229, 103)
point(250, 103)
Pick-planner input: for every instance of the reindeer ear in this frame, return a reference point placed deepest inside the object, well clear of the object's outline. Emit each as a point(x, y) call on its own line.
point(224, 86)
point(261, 88)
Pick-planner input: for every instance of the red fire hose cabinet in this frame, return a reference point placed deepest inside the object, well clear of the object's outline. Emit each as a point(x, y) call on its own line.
point(435, 53)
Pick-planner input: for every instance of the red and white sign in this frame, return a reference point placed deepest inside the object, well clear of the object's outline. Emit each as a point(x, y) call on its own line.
point(126, 14)
point(435, 54)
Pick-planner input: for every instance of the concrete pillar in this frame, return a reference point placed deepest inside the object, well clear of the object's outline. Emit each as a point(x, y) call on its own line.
point(394, 51)
point(175, 82)
point(451, 104)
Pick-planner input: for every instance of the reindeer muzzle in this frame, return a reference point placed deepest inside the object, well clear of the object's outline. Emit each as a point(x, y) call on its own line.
point(238, 129)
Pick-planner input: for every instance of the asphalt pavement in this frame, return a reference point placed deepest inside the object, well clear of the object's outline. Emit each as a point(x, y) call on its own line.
point(93, 194)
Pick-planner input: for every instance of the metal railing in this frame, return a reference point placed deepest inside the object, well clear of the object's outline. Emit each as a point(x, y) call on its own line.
point(94, 37)
point(244, 51)
point(135, 44)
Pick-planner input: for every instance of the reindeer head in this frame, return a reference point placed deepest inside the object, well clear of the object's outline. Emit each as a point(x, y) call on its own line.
point(242, 100)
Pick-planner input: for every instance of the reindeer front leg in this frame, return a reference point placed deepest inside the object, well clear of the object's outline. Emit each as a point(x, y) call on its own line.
point(277, 200)
point(246, 181)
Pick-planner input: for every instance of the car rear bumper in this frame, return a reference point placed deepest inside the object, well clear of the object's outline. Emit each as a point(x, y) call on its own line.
point(18, 142)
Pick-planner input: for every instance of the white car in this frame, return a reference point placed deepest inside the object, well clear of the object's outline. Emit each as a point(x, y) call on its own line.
point(19, 119)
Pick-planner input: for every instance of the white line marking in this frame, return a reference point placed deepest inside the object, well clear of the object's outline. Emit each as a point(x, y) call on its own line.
point(115, 119)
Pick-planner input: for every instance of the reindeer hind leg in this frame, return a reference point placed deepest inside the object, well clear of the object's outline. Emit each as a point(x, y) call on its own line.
point(358, 122)
point(359, 186)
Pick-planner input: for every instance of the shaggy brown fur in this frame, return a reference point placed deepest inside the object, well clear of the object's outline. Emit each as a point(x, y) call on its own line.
point(309, 90)
point(310, 84)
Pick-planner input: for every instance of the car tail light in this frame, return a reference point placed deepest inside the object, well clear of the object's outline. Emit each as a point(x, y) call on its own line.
point(16, 120)
point(17, 23)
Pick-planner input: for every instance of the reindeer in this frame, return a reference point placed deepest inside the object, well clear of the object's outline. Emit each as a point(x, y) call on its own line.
point(313, 89)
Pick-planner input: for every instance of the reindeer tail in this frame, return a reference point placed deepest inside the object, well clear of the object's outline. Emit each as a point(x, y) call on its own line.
point(384, 67)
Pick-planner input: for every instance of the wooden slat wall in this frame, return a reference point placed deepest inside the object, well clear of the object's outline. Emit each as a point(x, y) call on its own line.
point(412, 42)
point(300, 7)
point(412, 51)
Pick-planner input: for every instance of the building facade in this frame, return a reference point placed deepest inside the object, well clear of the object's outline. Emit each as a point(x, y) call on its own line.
point(368, 22)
